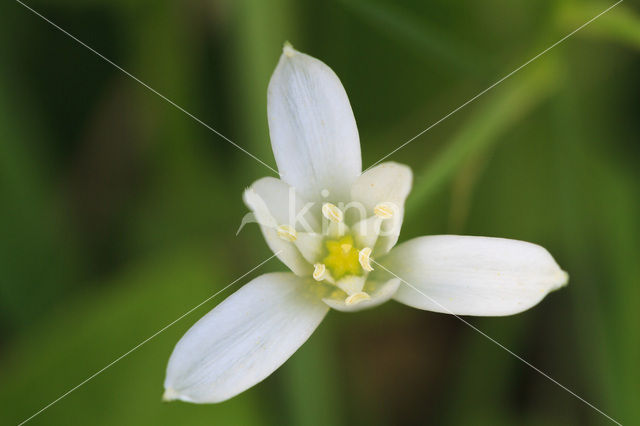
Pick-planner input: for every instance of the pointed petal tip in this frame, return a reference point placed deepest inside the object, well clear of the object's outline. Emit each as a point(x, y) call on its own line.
point(169, 394)
point(288, 50)
point(563, 279)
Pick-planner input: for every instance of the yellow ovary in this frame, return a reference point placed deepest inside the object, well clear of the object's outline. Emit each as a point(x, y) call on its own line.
point(342, 257)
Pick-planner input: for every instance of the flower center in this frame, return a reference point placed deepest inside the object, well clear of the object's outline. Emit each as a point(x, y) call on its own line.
point(342, 257)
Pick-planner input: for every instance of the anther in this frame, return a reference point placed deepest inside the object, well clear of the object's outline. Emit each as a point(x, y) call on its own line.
point(357, 298)
point(287, 233)
point(333, 213)
point(364, 258)
point(319, 271)
point(384, 210)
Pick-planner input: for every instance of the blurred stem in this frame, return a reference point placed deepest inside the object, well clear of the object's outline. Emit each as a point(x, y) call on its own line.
point(410, 31)
point(485, 392)
point(483, 129)
point(313, 395)
point(620, 24)
point(620, 248)
point(168, 65)
point(462, 192)
point(588, 309)
point(39, 259)
point(261, 29)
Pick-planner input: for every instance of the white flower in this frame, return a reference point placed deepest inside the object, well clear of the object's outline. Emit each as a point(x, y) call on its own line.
point(334, 228)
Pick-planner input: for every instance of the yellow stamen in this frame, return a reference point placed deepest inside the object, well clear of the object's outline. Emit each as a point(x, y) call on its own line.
point(357, 298)
point(287, 233)
point(384, 210)
point(333, 213)
point(319, 271)
point(364, 258)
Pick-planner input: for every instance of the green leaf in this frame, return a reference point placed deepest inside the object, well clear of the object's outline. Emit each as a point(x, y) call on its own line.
point(620, 24)
point(511, 101)
point(99, 326)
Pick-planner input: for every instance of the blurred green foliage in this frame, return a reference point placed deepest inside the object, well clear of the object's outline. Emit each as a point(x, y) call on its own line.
point(119, 211)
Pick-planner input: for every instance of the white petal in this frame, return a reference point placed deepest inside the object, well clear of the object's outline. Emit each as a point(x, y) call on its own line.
point(286, 205)
point(244, 339)
point(366, 231)
point(310, 246)
point(473, 275)
point(313, 132)
point(386, 183)
point(379, 292)
point(389, 234)
point(287, 253)
point(351, 284)
point(271, 199)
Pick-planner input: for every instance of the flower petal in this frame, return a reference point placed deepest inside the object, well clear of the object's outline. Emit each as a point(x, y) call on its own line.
point(286, 205)
point(313, 132)
point(366, 231)
point(386, 183)
point(270, 200)
point(473, 275)
point(351, 284)
point(244, 339)
point(310, 245)
point(379, 292)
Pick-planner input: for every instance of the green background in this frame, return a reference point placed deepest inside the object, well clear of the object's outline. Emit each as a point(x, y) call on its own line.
point(118, 212)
